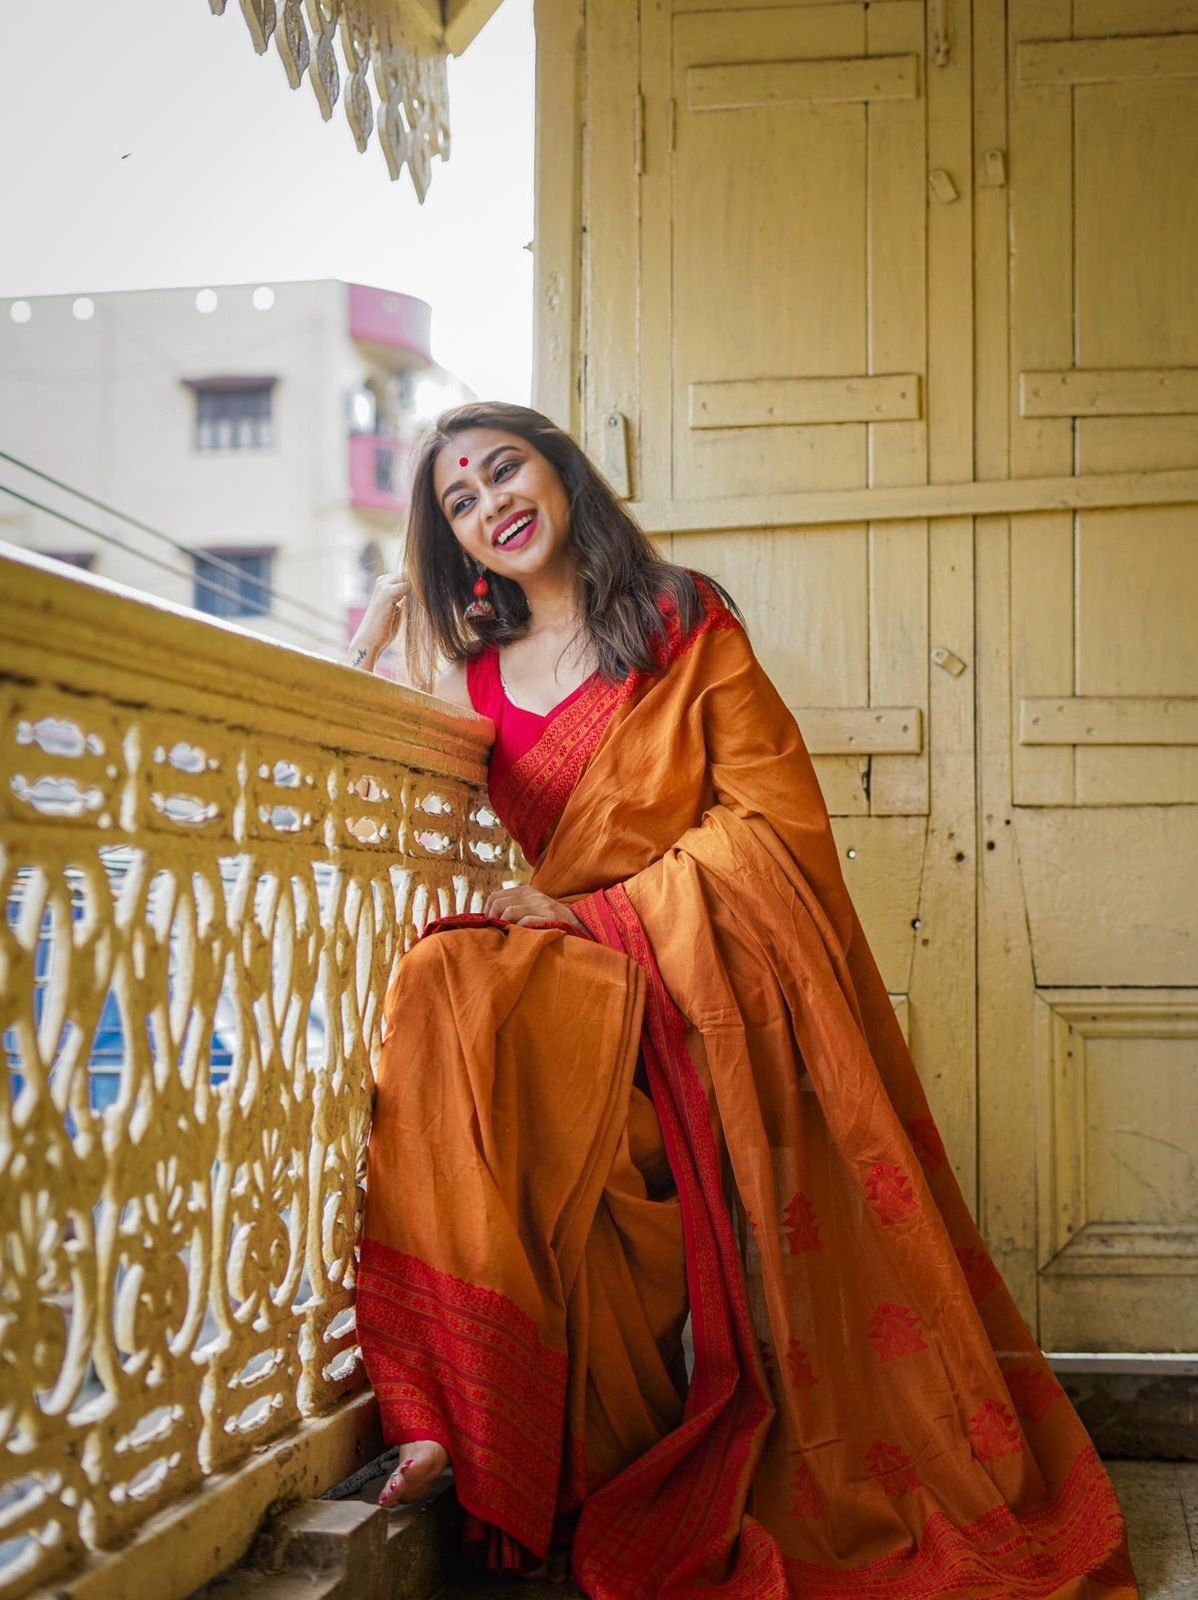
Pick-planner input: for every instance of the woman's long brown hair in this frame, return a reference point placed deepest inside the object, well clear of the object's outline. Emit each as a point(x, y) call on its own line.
point(621, 575)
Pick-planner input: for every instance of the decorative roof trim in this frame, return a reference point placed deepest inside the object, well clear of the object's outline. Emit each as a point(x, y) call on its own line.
point(399, 43)
point(465, 20)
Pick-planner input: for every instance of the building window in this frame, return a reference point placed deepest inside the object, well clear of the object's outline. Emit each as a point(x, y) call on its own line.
point(233, 414)
point(243, 592)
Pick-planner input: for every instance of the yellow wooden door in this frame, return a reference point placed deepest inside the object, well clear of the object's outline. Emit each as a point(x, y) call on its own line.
point(887, 318)
point(1101, 879)
point(758, 259)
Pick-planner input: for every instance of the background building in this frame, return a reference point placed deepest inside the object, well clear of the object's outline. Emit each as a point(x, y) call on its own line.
point(265, 429)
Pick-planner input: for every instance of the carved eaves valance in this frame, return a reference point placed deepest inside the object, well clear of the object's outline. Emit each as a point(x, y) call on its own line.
point(399, 46)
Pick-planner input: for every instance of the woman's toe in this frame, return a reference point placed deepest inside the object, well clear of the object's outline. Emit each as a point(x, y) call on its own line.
point(392, 1489)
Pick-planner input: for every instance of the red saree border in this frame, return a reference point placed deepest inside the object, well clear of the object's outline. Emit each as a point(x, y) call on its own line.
point(671, 1525)
point(531, 796)
point(462, 1364)
point(1077, 1537)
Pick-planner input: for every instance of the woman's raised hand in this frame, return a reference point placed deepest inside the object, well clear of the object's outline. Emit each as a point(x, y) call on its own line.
point(380, 621)
point(527, 907)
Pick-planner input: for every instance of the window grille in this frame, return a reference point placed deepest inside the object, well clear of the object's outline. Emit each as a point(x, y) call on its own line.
point(233, 419)
point(247, 592)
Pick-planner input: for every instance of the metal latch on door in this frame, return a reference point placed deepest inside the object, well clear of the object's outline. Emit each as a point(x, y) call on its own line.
point(615, 453)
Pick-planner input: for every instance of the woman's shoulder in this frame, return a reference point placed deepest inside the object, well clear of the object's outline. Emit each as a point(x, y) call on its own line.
point(459, 684)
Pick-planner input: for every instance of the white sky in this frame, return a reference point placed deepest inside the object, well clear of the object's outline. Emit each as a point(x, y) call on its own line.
point(145, 145)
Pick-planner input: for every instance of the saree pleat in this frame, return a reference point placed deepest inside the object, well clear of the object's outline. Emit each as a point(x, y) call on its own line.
point(624, 1325)
point(868, 1412)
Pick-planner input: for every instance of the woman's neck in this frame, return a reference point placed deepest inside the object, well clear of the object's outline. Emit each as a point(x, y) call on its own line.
point(553, 600)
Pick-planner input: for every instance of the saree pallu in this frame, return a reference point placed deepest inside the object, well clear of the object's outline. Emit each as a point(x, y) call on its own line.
point(709, 1101)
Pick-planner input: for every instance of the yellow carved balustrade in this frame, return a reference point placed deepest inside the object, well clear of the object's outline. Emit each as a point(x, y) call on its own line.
point(214, 851)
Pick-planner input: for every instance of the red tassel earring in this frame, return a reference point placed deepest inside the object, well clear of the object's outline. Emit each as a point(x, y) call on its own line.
point(480, 608)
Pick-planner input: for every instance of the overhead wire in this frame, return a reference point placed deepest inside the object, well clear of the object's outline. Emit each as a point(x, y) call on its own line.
point(211, 558)
point(165, 566)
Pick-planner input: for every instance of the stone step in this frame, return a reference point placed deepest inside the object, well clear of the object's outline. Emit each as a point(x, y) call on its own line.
point(349, 1548)
point(346, 1547)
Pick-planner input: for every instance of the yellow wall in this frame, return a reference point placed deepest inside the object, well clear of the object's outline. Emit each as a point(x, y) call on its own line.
point(885, 314)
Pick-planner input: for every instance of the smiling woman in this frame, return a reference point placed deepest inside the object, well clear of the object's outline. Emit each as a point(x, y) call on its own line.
point(667, 1076)
point(567, 569)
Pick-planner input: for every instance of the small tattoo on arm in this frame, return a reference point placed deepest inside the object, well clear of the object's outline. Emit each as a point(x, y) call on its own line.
point(359, 658)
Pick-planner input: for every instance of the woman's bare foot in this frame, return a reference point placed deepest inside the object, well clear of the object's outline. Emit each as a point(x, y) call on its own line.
point(420, 1465)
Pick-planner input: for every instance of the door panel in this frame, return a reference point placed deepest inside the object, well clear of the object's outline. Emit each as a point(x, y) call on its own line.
point(798, 169)
point(1104, 669)
point(1118, 1203)
point(783, 305)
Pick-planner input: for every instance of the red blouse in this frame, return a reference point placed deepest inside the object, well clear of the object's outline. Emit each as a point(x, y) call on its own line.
point(516, 730)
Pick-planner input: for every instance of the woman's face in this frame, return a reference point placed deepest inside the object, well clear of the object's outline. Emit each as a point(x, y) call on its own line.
point(507, 506)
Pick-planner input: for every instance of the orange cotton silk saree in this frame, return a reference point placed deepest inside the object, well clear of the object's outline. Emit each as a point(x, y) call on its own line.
point(710, 1097)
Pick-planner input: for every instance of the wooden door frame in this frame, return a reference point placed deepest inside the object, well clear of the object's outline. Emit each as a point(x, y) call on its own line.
point(558, 347)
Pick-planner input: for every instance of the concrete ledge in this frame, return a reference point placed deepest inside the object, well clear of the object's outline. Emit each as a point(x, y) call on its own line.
point(350, 1550)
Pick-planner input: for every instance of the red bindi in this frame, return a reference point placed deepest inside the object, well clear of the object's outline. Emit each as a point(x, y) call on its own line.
point(463, 462)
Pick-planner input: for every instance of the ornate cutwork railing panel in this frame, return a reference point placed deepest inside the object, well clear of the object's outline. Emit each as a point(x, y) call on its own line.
point(399, 44)
point(208, 877)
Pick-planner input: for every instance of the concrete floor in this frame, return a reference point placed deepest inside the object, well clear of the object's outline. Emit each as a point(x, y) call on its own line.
point(1159, 1498)
point(1160, 1501)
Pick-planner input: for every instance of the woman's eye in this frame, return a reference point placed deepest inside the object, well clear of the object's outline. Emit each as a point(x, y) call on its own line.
point(458, 504)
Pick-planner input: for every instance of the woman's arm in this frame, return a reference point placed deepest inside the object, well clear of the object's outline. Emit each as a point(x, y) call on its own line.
point(381, 621)
point(451, 685)
point(381, 624)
